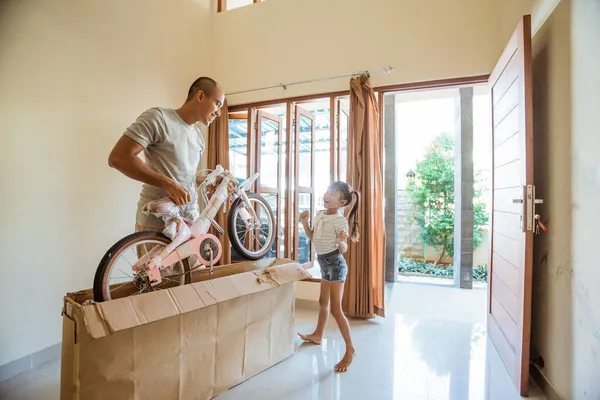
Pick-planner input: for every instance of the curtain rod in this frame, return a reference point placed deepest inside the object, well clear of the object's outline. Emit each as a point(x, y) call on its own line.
point(387, 70)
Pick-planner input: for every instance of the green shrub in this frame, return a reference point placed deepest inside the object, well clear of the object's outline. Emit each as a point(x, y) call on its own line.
point(406, 265)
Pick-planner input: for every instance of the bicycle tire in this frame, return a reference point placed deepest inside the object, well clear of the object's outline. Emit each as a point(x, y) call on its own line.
point(231, 228)
point(112, 254)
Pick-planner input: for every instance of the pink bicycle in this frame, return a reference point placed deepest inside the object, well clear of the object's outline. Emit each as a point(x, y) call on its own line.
point(147, 261)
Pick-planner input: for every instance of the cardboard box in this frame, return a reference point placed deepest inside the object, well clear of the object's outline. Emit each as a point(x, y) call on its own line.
point(189, 342)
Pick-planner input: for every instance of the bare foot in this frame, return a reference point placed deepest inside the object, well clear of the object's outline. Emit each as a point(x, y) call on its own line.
point(311, 338)
point(345, 362)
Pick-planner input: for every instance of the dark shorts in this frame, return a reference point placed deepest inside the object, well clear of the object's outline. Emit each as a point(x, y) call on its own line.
point(333, 266)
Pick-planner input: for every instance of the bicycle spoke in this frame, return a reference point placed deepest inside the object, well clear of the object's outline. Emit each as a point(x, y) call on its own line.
point(246, 234)
point(126, 273)
point(120, 277)
point(127, 259)
point(120, 286)
point(253, 238)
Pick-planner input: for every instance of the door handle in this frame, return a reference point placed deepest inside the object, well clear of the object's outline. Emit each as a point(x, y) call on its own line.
point(529, 208)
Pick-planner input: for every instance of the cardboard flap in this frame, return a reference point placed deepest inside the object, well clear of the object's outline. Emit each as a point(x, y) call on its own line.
point(282, 274)
point(106, 318)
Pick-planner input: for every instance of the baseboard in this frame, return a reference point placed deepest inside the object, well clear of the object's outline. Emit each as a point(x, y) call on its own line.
point(545, 386)
point(29, 362)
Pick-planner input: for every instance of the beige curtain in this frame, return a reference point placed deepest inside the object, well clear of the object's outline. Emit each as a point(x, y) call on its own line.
point(218, 153)
point(364, 289)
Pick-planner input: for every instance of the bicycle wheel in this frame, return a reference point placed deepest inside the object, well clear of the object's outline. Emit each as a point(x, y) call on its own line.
point(115, 277)
point(251, 242)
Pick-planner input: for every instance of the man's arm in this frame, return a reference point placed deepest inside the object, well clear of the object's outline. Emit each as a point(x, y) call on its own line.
point(124, 158)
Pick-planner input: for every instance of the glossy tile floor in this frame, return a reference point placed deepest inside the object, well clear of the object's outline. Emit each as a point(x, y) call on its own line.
point(431, 345)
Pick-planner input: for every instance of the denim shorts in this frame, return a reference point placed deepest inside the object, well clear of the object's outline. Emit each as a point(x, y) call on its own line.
point(333, 266)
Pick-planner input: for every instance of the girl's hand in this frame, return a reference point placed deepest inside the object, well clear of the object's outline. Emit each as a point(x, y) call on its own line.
point(304, 215)
point(342, 236)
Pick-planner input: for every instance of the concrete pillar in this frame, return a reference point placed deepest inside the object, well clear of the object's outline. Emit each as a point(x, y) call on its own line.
point(390, 187)
point(463, 191)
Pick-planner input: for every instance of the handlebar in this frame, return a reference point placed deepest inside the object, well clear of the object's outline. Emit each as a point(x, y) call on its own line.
point(211, 179)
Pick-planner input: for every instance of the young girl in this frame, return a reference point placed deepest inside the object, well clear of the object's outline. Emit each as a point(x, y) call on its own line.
point(329, 234)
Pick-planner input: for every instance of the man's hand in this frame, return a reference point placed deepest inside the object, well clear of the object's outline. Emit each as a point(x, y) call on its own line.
point(304, 215)
point(342, 236)
point(178, 193)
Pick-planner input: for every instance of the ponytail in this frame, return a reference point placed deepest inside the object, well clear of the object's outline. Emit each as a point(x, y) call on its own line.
point(353, 217)
point(351, 198)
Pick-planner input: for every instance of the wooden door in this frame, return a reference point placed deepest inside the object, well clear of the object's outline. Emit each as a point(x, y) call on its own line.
point(509, 305)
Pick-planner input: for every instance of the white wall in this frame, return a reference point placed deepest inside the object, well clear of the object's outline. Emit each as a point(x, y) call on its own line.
point(552, 303)
point(74, 75)
point(308, 291)
point(585, 173)
point(289, 40)
point(566, 317)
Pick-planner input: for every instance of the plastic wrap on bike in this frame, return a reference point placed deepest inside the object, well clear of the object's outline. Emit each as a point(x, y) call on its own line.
point(168, 211)
point(203, 223)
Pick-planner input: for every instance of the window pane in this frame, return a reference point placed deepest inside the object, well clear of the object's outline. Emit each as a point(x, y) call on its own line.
point(269, 152)
point(304, 203)
point(280, 111)
point(322, 155)
point(282, 229)
point(306, 148)
point(231, 4)
point(272, 200)
point(238, 147)
point(282, 181)
point(322, 147)
point(283, 185)
point(292, 182)
point(344, 111)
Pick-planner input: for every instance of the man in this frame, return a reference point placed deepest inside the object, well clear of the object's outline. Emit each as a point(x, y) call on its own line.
point(172, 146)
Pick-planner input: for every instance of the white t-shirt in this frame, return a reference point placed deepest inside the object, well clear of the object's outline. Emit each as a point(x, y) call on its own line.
point(173, 148)
point(326, 228)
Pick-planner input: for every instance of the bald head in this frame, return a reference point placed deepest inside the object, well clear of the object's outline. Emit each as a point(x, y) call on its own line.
point(206, 84)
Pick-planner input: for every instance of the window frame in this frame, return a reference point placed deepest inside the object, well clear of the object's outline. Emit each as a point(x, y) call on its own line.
point(290, 168)
point(222, 5)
